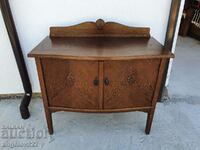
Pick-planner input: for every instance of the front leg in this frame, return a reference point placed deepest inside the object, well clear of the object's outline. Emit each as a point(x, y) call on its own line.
point(150, 116)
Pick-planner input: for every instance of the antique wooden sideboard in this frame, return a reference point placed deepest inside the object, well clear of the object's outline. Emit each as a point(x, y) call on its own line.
point(100, 67)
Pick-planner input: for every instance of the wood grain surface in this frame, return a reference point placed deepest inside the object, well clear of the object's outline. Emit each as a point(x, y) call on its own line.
point(100, 67)
point(99, 29)
point(100, 48)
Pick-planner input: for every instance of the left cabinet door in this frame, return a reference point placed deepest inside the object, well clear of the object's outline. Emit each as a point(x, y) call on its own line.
point(71, 83)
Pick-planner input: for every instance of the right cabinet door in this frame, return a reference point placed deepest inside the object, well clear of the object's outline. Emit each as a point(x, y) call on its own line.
point(129, 84)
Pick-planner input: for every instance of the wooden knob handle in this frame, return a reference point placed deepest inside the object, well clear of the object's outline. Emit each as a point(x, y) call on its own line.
point(96, 81)
point(131, 80)
point(106, 81)
point(100, 24)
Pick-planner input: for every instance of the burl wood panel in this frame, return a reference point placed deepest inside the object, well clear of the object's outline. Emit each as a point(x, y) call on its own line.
point(131, 83)
point(70, 83)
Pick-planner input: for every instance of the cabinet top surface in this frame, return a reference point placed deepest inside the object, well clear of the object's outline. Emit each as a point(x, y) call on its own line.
point(100, 48)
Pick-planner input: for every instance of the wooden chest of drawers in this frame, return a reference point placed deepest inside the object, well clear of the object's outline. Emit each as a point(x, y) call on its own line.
point(100, 67)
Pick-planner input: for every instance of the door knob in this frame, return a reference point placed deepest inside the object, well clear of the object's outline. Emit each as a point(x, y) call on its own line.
point(96, 81)
point(130, 79)
point(106, 81)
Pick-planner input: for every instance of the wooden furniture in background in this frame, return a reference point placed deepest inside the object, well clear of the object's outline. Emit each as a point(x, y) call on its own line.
point(186, 22)
point(190, 22)
point(100, 67)
point(195, 24)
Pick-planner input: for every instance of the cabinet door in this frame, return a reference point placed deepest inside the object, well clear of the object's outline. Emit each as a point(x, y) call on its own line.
point(70, 84)
point(129, 83)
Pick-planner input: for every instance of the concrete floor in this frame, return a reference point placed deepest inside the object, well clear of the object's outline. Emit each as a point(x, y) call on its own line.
point(176, 123)
point(184, 80)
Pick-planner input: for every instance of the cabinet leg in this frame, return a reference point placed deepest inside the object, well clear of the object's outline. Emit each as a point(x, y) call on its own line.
point(149, 120)
point(49, 121)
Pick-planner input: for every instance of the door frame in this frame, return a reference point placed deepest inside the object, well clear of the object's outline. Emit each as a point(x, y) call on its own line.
point(169, 38)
